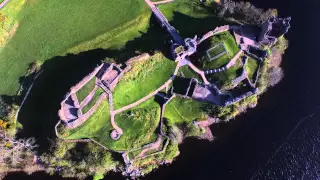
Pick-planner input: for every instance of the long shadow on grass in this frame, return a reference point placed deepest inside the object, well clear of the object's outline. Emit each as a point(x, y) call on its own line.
point(40, 111)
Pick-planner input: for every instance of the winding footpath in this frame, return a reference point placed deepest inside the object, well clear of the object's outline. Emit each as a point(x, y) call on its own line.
point(201, 73)
point(4, 3)
point(151, 94)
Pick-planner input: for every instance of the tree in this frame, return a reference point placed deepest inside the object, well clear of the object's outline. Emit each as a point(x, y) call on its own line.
point(14, 151)
point(275, 74)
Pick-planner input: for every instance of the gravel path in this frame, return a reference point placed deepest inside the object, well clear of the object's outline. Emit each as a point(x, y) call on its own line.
point(151, 94)
point(201, 73)
point(4, 3)
point(162, 2)
point(153, 146)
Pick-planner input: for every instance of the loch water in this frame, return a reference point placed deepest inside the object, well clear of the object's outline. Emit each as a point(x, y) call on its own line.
point(280, 138)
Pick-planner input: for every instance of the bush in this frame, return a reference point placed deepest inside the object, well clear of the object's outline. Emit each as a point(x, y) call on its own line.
point(4, 109)
point(275, 75)
point(244, 12)
point(176, 135)
point(172, 151)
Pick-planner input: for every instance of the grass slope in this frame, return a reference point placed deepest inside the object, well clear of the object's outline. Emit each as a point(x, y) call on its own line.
point(138, 125)
point(86, 89)
point(138, 129)
point(181, 110)
point(231, 47)
point(144, 77)
point(49, 28)
point(251, 67)
point(93, 101)
point(98, 122)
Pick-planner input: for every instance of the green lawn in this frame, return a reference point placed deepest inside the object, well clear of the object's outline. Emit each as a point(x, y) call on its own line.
point(86, 89)
point(97, 123)
point(225, 78)
point(216, 50)
point(181, 110)
point(49, 28)
point(93, 101)
point(144, 77)
point(251, 67)
point(230, 45)
point(189, 73)
point(138, 125)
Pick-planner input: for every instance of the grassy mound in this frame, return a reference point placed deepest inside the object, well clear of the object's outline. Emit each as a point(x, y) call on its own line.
point(225, 78)
point(92, 128)
point(86, 90)
point(229, 43)
point(145, 76)
point(138, 125)
point(93, 101)
point(252, 67)
point(181, 110)
point(189, 73)
point(49, 28)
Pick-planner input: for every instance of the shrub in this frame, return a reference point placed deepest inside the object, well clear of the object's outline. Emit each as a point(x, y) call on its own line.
point(176, 135)
point(172, 151)
point(275, 75)
point(4, 109)
point(244, 12)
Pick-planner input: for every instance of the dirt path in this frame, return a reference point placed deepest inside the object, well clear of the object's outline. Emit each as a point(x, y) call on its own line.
point(201, 73)
point(151, 94)
point(233, 61)
point(162, 2)
point(153, 146)
point(4, 3)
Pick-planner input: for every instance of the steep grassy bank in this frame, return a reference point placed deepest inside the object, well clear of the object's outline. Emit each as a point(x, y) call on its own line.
point(48, 28)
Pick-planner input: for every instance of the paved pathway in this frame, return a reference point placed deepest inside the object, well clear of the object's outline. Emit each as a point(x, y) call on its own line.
point(201, 73)
point(151, 94)
point(164, 22)
point(231, 63)
point(4, 3)
point(162, 2)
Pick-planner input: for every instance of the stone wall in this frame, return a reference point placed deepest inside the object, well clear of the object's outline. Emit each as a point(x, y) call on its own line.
point(85, 80)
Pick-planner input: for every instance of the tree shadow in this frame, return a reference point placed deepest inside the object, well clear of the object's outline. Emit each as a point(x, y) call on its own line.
point(190, 26)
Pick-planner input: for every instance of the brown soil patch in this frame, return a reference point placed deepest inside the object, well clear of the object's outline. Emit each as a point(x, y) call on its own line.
point(8, 34)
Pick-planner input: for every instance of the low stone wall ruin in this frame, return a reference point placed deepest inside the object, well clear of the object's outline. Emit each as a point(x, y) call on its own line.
point(84, 117)
point(85, 80)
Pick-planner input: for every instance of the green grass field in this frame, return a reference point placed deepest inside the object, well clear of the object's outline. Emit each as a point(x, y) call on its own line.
point(181, 110)
point(93, 101)
point(216, 51)
point(225, 78)
point(230, 45)
point(251, 67)
point(95, 125)
point(189, 73)
point(138, 125)
point(86, 89)
point(145, 76)
point(49, 28)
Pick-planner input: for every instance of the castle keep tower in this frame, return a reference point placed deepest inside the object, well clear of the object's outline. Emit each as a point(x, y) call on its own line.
point(272, 29)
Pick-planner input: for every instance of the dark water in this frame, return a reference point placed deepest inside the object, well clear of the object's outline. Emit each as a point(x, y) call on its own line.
point(280, 139)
